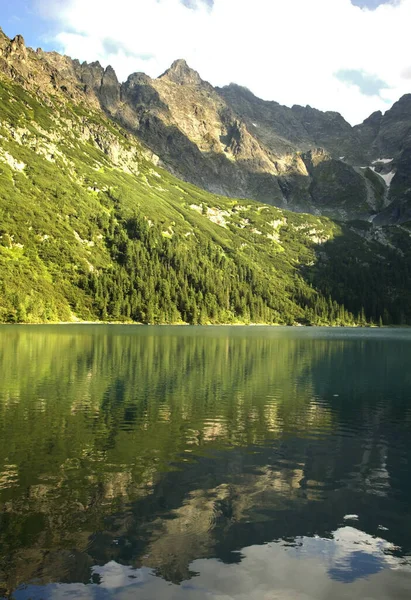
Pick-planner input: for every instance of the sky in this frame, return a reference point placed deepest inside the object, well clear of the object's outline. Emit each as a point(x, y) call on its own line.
point(350, 56)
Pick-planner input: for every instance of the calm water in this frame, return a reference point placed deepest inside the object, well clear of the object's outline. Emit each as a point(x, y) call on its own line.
point(203, 463)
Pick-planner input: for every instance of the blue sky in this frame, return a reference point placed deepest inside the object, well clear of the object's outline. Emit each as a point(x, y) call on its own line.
point(371, 4)
point(329, 54)
point(21, 16)
point(369, 85)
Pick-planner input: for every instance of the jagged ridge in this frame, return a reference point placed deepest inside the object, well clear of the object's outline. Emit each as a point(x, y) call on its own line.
point(93, 228)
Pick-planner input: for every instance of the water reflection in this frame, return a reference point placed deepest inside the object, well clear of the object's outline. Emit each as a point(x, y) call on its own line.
point(144, 458)
point(310, 568)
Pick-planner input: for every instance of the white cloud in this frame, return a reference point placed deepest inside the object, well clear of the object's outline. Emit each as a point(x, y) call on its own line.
point(283, 50)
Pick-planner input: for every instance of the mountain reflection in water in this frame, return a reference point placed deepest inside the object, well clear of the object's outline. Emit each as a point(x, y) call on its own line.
point(305, 570)
point(204, 463)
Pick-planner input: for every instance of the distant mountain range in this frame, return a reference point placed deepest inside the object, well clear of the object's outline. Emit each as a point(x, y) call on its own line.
point(228, 141)
point(135, 201)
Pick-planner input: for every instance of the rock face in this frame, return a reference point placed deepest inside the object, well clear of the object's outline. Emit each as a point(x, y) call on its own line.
point(336, 184)
point(389, 134)
point(110, 88)
point(181, 74)
point(92, 226)
point(399, 196)
point(284, 129)
point(228, 141)
point(198, 137)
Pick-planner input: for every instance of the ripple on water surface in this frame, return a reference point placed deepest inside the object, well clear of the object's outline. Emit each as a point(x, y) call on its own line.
point(204, 463)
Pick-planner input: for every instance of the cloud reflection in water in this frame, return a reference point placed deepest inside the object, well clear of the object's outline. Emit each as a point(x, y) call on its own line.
point(309, 569)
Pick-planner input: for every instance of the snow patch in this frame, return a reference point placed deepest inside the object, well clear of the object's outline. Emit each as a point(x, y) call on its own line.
point(382, 160)
point(388, 177)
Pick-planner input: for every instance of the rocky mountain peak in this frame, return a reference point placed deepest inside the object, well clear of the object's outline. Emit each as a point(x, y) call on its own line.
point(182, 74)
point(15, 48)
point(374, 118)
point(110, 88)
point(93, 65)
point(229, 141)
point(110, 72)
point(401, 108)
point(109, 77)
point(137, 79)
point(18, 48)
point(18, 43)
point(238, 89)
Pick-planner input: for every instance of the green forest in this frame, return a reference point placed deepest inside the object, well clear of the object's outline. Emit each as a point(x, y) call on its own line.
point(92, 230)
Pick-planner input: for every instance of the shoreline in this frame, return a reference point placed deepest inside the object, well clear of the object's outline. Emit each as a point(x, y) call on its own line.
point(130, 323)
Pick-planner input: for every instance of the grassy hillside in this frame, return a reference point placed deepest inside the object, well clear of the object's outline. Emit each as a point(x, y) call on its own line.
point(92, 229)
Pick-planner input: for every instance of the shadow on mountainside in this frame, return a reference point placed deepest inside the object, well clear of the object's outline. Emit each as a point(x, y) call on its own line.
point(367, 269)
point(211, 171)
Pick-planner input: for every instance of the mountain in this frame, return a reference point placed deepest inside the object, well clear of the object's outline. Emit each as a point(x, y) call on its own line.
point(388, 134)
point(93, 227)
point(228, 141)
point(289, 129)
point(370, 143)
point(205, 137)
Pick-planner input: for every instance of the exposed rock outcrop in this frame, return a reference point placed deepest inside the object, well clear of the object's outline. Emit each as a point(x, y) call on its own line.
point(227, 140)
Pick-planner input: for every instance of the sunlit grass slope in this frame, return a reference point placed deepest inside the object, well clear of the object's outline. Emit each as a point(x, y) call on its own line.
point(91, 228)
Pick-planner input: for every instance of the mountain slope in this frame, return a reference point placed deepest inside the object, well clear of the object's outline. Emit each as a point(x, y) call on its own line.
point(389, 134)
point(184, 121)
point(370, 143)
point(92, 229)
point(227, 140)
point(91, 226)
point(290, 129)
point(204, 137)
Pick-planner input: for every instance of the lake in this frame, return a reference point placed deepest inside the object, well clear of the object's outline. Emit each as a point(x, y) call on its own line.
point(194, 463)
